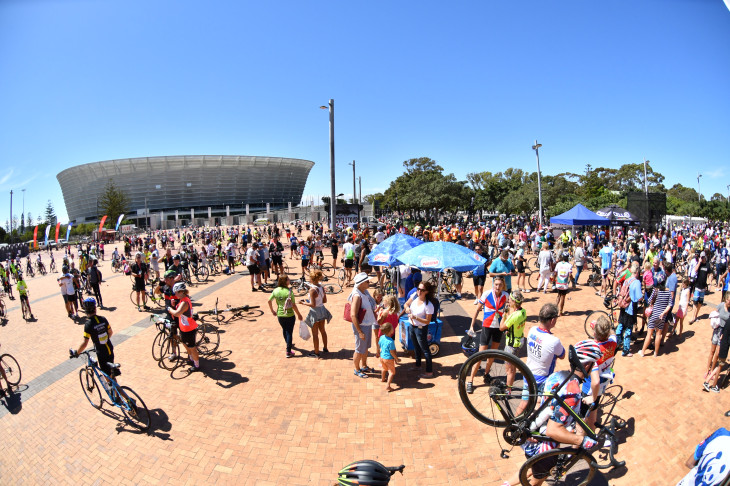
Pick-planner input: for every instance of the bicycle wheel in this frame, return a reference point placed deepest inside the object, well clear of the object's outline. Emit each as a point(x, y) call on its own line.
point(170, 356)
point(533, 264)
point(332, 288)
point(134, 409)
point(592, 318)
point(495, 403)
point(300, 288)
point(12, 369)
point(91, 387)
point(207, 339)
point(533, 278)
point(157, 346)
point(201, 274)
point(564, 466)
point(341, 276)
point(328, 270)
point(133, 298)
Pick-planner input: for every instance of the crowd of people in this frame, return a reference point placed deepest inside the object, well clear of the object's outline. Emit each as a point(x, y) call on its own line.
point(655, 280)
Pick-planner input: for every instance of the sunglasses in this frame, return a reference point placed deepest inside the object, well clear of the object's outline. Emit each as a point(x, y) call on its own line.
point(421, 290)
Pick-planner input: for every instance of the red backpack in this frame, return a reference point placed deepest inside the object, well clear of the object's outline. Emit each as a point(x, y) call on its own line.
point(624, 299)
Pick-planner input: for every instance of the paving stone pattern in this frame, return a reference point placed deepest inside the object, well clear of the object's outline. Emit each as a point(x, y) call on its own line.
point(254, 417)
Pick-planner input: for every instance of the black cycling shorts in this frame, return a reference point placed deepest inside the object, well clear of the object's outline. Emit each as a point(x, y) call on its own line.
point(253, 269)
point(188, 338)
point(139, 285)
point(490, 335)
point(479, 280)
point(276, 260)
point(349, 263)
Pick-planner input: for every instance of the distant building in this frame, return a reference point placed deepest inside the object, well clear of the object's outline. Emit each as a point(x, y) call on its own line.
point(188, 184)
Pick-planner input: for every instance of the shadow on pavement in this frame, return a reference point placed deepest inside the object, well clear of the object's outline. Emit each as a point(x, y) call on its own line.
point(12, 402)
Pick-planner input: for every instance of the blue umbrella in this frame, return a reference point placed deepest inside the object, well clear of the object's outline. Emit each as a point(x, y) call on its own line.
point(439, 255)
point(386, 253)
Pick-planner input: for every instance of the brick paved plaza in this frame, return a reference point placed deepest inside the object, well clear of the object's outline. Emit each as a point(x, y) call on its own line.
point(254, 417)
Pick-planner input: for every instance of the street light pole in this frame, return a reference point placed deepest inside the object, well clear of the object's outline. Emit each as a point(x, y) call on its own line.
point(646, 183)
point(699, 195)
point(332, 161)
point(536, 148)
point(22, 215)
point(11, 215)
point(354, 193)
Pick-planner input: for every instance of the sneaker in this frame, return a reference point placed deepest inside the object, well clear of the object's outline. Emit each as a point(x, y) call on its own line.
point(476, 301)
point(715, 389)
point(706, 386)
point(469, 387)
point(194, 369)
point(325, 350)
point(253, 289)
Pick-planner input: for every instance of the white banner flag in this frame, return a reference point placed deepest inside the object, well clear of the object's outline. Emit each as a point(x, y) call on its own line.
point(267, 208)
point(192, 214)
point(290, 206)
point(246, 209)
point(228, 211)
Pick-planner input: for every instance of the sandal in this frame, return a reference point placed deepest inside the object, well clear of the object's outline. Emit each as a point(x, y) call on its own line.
point(366, 369)
point(360, 374)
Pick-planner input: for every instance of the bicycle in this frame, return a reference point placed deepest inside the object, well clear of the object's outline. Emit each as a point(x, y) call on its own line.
point(301, 287)
point(610, 302)
point(29, 270)
point(166, 344)
point(25, 307)
point(133, 408)
point(11, 368)
point(52, 267)
point(241, 312)
point(41, 268)
point(148, 295)
point(327, 269)
point(496, 404)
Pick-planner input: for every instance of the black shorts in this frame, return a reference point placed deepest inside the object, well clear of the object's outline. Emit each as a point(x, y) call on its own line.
point(319, 254)
point(293, 247)
point(139, 285)
point(253, 269)
point(276, 260)
point(104, 360)
point(188, 338)
point(230, 261)
point(479, 280)
point(489, 336)
point(305, 263)
point(520, 266)
point(628, 320)
point(458, 277)
point(65, 298)
point(349, 263)
point(71, 297)
point(562, 291)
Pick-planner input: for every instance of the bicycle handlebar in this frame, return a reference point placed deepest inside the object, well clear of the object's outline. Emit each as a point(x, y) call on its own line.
point(610, 429)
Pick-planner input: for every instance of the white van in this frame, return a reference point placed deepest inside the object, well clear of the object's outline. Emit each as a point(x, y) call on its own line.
point(262, 222)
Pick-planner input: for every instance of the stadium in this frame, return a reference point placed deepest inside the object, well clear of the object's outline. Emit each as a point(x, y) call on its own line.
point(185, 188)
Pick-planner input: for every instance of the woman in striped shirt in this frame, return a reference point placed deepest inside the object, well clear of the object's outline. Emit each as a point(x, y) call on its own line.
point(660, 300)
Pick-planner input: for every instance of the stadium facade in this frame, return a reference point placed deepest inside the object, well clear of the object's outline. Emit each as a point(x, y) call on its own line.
point(185, 186)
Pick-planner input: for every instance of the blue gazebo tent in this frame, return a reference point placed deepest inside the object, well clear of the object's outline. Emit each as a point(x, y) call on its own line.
point(580, 216)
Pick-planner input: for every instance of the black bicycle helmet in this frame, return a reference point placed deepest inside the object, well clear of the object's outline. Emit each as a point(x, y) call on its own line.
point(469, 345)
point(89, 305)
point(370, 473)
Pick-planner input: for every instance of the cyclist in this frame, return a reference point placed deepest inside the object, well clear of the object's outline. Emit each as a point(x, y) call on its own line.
point(554, 421)
point(187, 325)
point(318, 245)
point(230, 254)
point(140, 271)
point(602, 373)
point(10, 387)
point(493, 302)
point(97, 329)
point(543, 349)
point(5, 278)
point(95, 280)
point(275, 251)
point(52, 265)
point(23, 293)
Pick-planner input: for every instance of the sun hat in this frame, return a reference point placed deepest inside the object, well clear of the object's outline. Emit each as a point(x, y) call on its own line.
point(360, 278)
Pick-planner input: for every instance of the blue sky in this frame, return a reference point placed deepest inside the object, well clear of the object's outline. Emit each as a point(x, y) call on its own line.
point(470, 84)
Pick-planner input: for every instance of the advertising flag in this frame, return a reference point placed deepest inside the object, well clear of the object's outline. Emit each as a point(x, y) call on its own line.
point(268, 208)
point(101, 225)
point(48, 232)
point(68, 231)
point(35, 237)
point(119, 221)
point(58, 229)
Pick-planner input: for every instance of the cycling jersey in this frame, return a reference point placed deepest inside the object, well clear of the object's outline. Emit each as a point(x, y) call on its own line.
point(713, 461)
point(603, 365)
point(543, 350)
point(515, 328)
point(185, 320)
point(563, 271)
point(22, 288)
point(570, 393)
point(493, 308)
point(97, 329)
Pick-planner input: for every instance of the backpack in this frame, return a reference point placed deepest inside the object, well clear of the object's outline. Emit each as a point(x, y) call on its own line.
point(624, 299)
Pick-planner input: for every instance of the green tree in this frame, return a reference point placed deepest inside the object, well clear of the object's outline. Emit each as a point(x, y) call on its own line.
point(29, 218)
point(50, 213)
point(113, 202)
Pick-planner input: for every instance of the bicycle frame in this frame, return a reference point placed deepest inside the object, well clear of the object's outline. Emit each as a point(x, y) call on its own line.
point(578, 419)
point(111, 383)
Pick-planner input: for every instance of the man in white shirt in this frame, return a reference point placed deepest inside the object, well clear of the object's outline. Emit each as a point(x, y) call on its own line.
point(379, 236)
